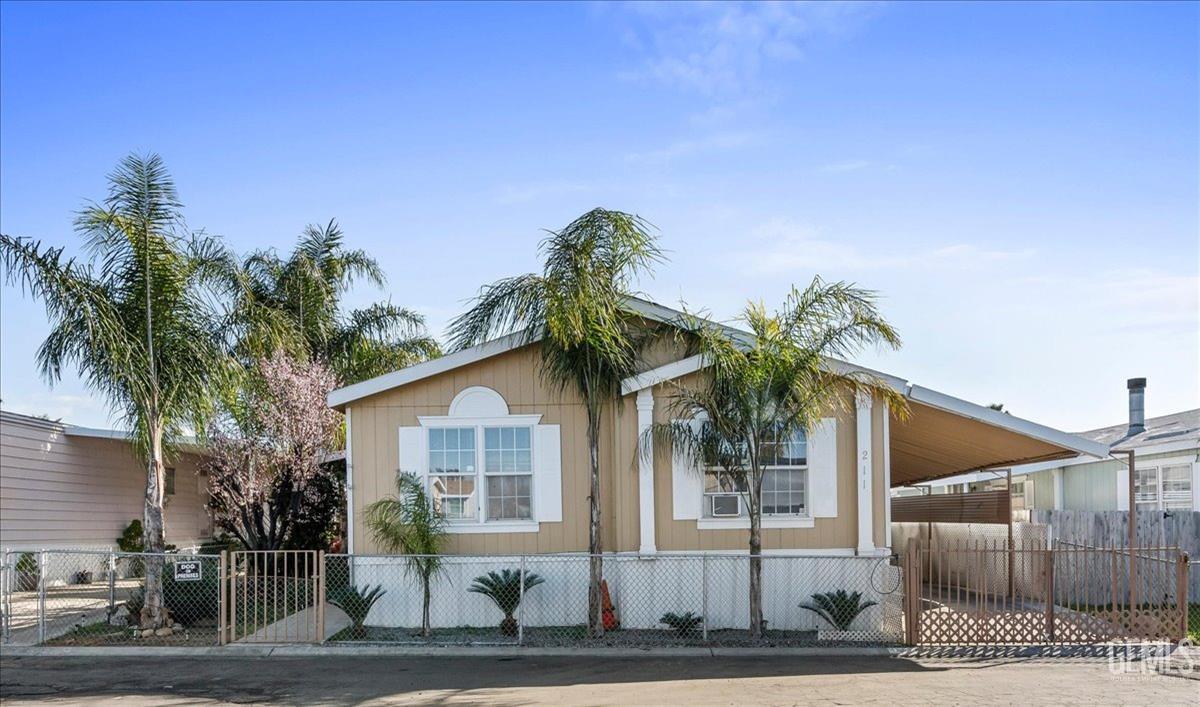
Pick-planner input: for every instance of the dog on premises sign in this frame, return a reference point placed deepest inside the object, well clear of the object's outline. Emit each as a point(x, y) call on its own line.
point(187, 571)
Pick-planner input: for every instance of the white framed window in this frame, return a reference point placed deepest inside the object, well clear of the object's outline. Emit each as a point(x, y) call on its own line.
point(501, 467)
point(1165, 487)
point(508, 468)
point(487, 471)
point(784, 487)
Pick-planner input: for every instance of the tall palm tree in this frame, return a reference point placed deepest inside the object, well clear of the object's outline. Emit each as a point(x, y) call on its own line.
point(136, 323)
point(762, 389)
point(295, 303)
point(576, 307)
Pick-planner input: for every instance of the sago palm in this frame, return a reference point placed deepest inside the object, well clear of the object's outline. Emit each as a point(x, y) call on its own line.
point(408, 524)
point(296, 303)
point(764, 386)
point(504, 589)
point(134, 320)
point(839, 608)
point(589, 340)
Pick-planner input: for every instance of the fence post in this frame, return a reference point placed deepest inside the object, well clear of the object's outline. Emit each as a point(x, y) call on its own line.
point(1181, 592)
point(704, 594)
point(41, 597)
point(7, 580)
point(321, 597)
point(222, 598)
point(112, 584)
point(521, 606)
point(912, 598)
point(1050, 595)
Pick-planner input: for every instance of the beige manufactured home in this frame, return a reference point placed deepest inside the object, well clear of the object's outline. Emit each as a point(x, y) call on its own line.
point(505, 458)
point(68, 487)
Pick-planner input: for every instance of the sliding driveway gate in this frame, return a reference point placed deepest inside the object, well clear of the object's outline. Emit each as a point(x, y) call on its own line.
point(984, 593)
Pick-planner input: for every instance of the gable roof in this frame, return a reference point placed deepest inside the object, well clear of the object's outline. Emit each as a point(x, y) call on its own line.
point(1066, 443)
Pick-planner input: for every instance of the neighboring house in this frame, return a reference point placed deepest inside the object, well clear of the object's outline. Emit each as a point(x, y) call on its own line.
point(1166, 467)
point(505, 458)
point(68, 487)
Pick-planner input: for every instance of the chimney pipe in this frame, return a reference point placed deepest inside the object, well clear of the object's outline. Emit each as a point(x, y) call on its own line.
point(1137, 406)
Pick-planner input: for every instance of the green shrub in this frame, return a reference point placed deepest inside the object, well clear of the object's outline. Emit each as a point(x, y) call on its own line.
point(357, 605)
point(192, 601)
point(684, 624)
point(27, 572)
point(838, 608)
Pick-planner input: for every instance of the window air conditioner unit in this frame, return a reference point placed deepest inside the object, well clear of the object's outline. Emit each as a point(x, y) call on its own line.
point(726, 505)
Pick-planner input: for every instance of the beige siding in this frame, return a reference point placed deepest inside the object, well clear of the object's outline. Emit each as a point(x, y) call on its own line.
point(375, 424)
point(515, 375)
point(64, 491)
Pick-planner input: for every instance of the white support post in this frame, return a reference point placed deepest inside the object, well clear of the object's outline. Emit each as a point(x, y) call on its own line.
point(704, 595)
point(645, 418)
point(887, 477)
point(1058, 489)
point(866, 515)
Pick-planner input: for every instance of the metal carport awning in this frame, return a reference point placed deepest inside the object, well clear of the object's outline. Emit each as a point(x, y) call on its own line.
point(945, 436)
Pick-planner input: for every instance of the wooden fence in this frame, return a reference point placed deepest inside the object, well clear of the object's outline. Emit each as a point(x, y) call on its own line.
point(1155, 528)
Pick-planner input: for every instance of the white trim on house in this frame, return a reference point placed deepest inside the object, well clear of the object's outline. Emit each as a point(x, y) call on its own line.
point(865, 489)
point(743, 522)
point(349, 486)
point(654, 376)
point(338, 398)
point(645, 419)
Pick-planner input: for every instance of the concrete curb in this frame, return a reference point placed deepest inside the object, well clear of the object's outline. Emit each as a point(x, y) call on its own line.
point(283, 651)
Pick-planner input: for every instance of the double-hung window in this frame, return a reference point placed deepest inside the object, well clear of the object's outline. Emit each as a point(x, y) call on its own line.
point(785, 482)
point(453, 472)
point(1167, 487)
point(497, 460)
point(508, 466)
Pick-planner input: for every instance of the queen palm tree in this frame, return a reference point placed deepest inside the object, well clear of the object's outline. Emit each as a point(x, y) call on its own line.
point(589, 340)
point(295, 303)
point(134, 320)
point(407, 523)
point(763, 388)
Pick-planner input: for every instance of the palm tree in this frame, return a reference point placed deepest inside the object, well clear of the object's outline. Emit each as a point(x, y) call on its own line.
point(296, 304)
point(408, 524)
point(135, 321)
point(764, 388)
point(576, 308)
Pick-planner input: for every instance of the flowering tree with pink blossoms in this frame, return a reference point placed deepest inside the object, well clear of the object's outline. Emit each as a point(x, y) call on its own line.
point(265, 461)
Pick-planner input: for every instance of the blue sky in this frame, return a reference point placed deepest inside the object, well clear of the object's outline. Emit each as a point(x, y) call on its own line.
point(1019, 181)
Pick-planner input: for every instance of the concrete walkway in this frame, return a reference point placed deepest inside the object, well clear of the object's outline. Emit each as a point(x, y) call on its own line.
point(300, 627)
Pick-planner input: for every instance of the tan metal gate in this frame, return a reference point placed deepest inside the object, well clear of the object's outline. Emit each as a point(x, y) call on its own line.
point(272, 597)
point(986, 593)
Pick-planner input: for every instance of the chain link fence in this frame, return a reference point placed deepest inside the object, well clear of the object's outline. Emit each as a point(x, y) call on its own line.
point(93, 598)
point(660, 600)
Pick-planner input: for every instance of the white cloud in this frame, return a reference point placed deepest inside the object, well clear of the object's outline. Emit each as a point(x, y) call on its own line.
point(687, 148)
point(784, 245)
point(717, 48)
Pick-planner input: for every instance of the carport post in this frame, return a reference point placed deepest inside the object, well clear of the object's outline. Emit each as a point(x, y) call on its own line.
point(1133, 579)
point(1011, 551)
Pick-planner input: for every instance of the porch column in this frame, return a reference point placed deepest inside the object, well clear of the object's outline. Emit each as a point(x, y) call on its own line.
point(645, 418)
point(1058, 489)
point(866, 515)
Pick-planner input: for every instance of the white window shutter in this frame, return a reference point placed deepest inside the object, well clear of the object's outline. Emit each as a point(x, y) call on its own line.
point(547, 474)
point(822, 468)
point(412, 451)
point(687, 486)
